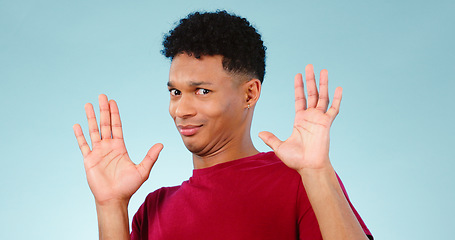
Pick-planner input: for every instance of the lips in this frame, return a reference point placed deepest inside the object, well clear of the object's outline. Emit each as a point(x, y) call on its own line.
point(188, 130)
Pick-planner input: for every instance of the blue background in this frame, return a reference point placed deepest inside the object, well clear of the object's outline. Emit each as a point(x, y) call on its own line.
point(392, 143)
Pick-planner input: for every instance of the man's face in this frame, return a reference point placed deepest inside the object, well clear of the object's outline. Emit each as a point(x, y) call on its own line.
point(206, 103)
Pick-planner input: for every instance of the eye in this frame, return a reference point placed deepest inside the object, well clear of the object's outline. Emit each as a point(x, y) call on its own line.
point(202, 91)
point(174, 92)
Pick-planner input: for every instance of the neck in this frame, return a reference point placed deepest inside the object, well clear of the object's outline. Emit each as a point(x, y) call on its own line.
point(230, 151)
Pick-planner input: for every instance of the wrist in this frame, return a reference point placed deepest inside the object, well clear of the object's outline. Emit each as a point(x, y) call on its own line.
point(112, 203)
point(319, 178)
point(323, 167)
point(113, 220)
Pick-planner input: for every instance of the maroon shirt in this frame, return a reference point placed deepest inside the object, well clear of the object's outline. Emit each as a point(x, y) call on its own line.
point(257, 197)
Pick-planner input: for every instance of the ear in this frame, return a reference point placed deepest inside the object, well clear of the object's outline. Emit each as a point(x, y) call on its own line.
point(252, 92)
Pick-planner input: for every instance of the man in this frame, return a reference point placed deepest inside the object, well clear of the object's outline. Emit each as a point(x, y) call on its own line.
point(215, 79)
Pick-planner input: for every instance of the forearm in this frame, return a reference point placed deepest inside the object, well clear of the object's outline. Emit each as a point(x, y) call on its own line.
point(113, 222)
point(333, 212)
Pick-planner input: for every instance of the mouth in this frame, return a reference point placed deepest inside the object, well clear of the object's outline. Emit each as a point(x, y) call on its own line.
point(188, 130)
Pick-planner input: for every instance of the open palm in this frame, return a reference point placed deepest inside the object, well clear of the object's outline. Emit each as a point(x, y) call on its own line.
point(111, 174)
point(308, 145)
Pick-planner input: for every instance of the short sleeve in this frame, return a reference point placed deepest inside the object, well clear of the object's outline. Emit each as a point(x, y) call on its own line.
point(139, 225)
point(362, 223)
point(308, 224)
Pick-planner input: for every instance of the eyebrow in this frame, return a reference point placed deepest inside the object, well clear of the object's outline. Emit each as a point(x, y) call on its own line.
point(193, 84)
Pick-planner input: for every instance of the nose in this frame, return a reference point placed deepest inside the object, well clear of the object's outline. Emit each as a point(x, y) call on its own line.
point(184, 107)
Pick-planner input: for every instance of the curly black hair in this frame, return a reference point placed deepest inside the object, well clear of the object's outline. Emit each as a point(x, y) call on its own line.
point(219, 33)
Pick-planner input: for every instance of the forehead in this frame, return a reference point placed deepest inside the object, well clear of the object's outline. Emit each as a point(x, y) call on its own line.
point(188, 69)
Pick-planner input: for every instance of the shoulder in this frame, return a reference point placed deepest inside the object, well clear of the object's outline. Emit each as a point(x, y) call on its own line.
point(152, 200)
point(267, 168)
point(160, 194)
point(263, 159)
point(270, 161)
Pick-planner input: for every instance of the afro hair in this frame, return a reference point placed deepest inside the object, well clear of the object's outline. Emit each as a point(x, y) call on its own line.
point(219, 33)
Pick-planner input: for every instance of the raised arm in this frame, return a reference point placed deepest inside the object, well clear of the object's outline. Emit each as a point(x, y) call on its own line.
point(112, 176)
point(307, 151)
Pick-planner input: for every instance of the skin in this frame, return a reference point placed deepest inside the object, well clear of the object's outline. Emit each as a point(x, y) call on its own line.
point(112, 177)
point(210, 107)
point(213, 110)
point(307, 151)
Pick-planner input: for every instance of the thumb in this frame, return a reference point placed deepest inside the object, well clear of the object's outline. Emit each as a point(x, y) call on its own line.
point(270, 139)
point(149, 160)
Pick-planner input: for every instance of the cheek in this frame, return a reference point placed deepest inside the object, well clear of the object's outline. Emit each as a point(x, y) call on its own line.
point(224, 109)
point(210, 110)
point(172, 110)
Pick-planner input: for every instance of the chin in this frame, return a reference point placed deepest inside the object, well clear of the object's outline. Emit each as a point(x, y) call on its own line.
point(193, 148)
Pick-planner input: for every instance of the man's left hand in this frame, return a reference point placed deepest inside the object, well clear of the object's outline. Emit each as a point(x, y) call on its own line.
point(308, 146)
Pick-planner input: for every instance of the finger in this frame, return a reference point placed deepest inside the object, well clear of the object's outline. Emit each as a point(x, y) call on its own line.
point(323, 101)
point(147, 163)
point(270, 139)
point(335, 108)
point(299, 92)
point(83, 146)
point(92, 124)
point(105, 117)
point(116, 123)
point(311, 86)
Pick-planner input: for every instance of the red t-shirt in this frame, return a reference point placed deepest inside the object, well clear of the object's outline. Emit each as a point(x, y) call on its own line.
point(257, 197)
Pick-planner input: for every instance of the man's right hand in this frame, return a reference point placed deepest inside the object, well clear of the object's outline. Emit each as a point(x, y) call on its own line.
point(111, 174)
